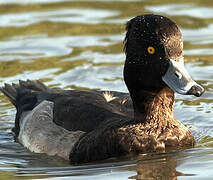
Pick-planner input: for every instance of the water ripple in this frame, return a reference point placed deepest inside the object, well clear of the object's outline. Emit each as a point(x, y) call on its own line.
point(85, 16)
point(191, 10)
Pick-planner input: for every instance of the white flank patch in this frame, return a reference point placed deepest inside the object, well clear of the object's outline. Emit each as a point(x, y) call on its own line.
point(40, 134)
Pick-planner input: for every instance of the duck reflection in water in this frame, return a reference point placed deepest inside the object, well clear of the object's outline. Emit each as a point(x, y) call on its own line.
point(157, 167)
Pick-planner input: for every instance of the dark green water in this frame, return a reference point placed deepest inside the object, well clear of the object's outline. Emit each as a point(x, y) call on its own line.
point(78, 45)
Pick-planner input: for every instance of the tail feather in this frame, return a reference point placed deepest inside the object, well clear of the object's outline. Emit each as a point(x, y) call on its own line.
point(33, 85)
point(17, 91)
point(23, 96)
point(11, 92)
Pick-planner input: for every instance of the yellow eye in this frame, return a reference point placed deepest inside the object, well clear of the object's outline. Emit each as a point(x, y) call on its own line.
point(151, 50)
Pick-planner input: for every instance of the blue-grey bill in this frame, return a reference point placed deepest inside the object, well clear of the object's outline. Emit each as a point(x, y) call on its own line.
point(179, 80)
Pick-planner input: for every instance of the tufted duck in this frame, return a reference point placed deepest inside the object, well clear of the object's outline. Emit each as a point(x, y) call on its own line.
point(85, 126)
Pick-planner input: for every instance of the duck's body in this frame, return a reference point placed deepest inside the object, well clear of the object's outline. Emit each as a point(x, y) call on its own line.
point(85, 126)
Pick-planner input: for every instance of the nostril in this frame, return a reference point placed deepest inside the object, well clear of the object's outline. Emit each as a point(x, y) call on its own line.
point(178, 75)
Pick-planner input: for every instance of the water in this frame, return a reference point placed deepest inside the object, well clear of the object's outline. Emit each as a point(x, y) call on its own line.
point(78, 44)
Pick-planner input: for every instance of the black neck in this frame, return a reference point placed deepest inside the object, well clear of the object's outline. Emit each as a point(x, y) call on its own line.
point(153, 106)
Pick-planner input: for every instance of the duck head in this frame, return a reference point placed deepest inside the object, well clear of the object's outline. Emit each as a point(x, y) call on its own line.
point(154, 57)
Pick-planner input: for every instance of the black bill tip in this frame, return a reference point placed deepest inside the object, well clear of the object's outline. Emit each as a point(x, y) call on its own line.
point(196, 90)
